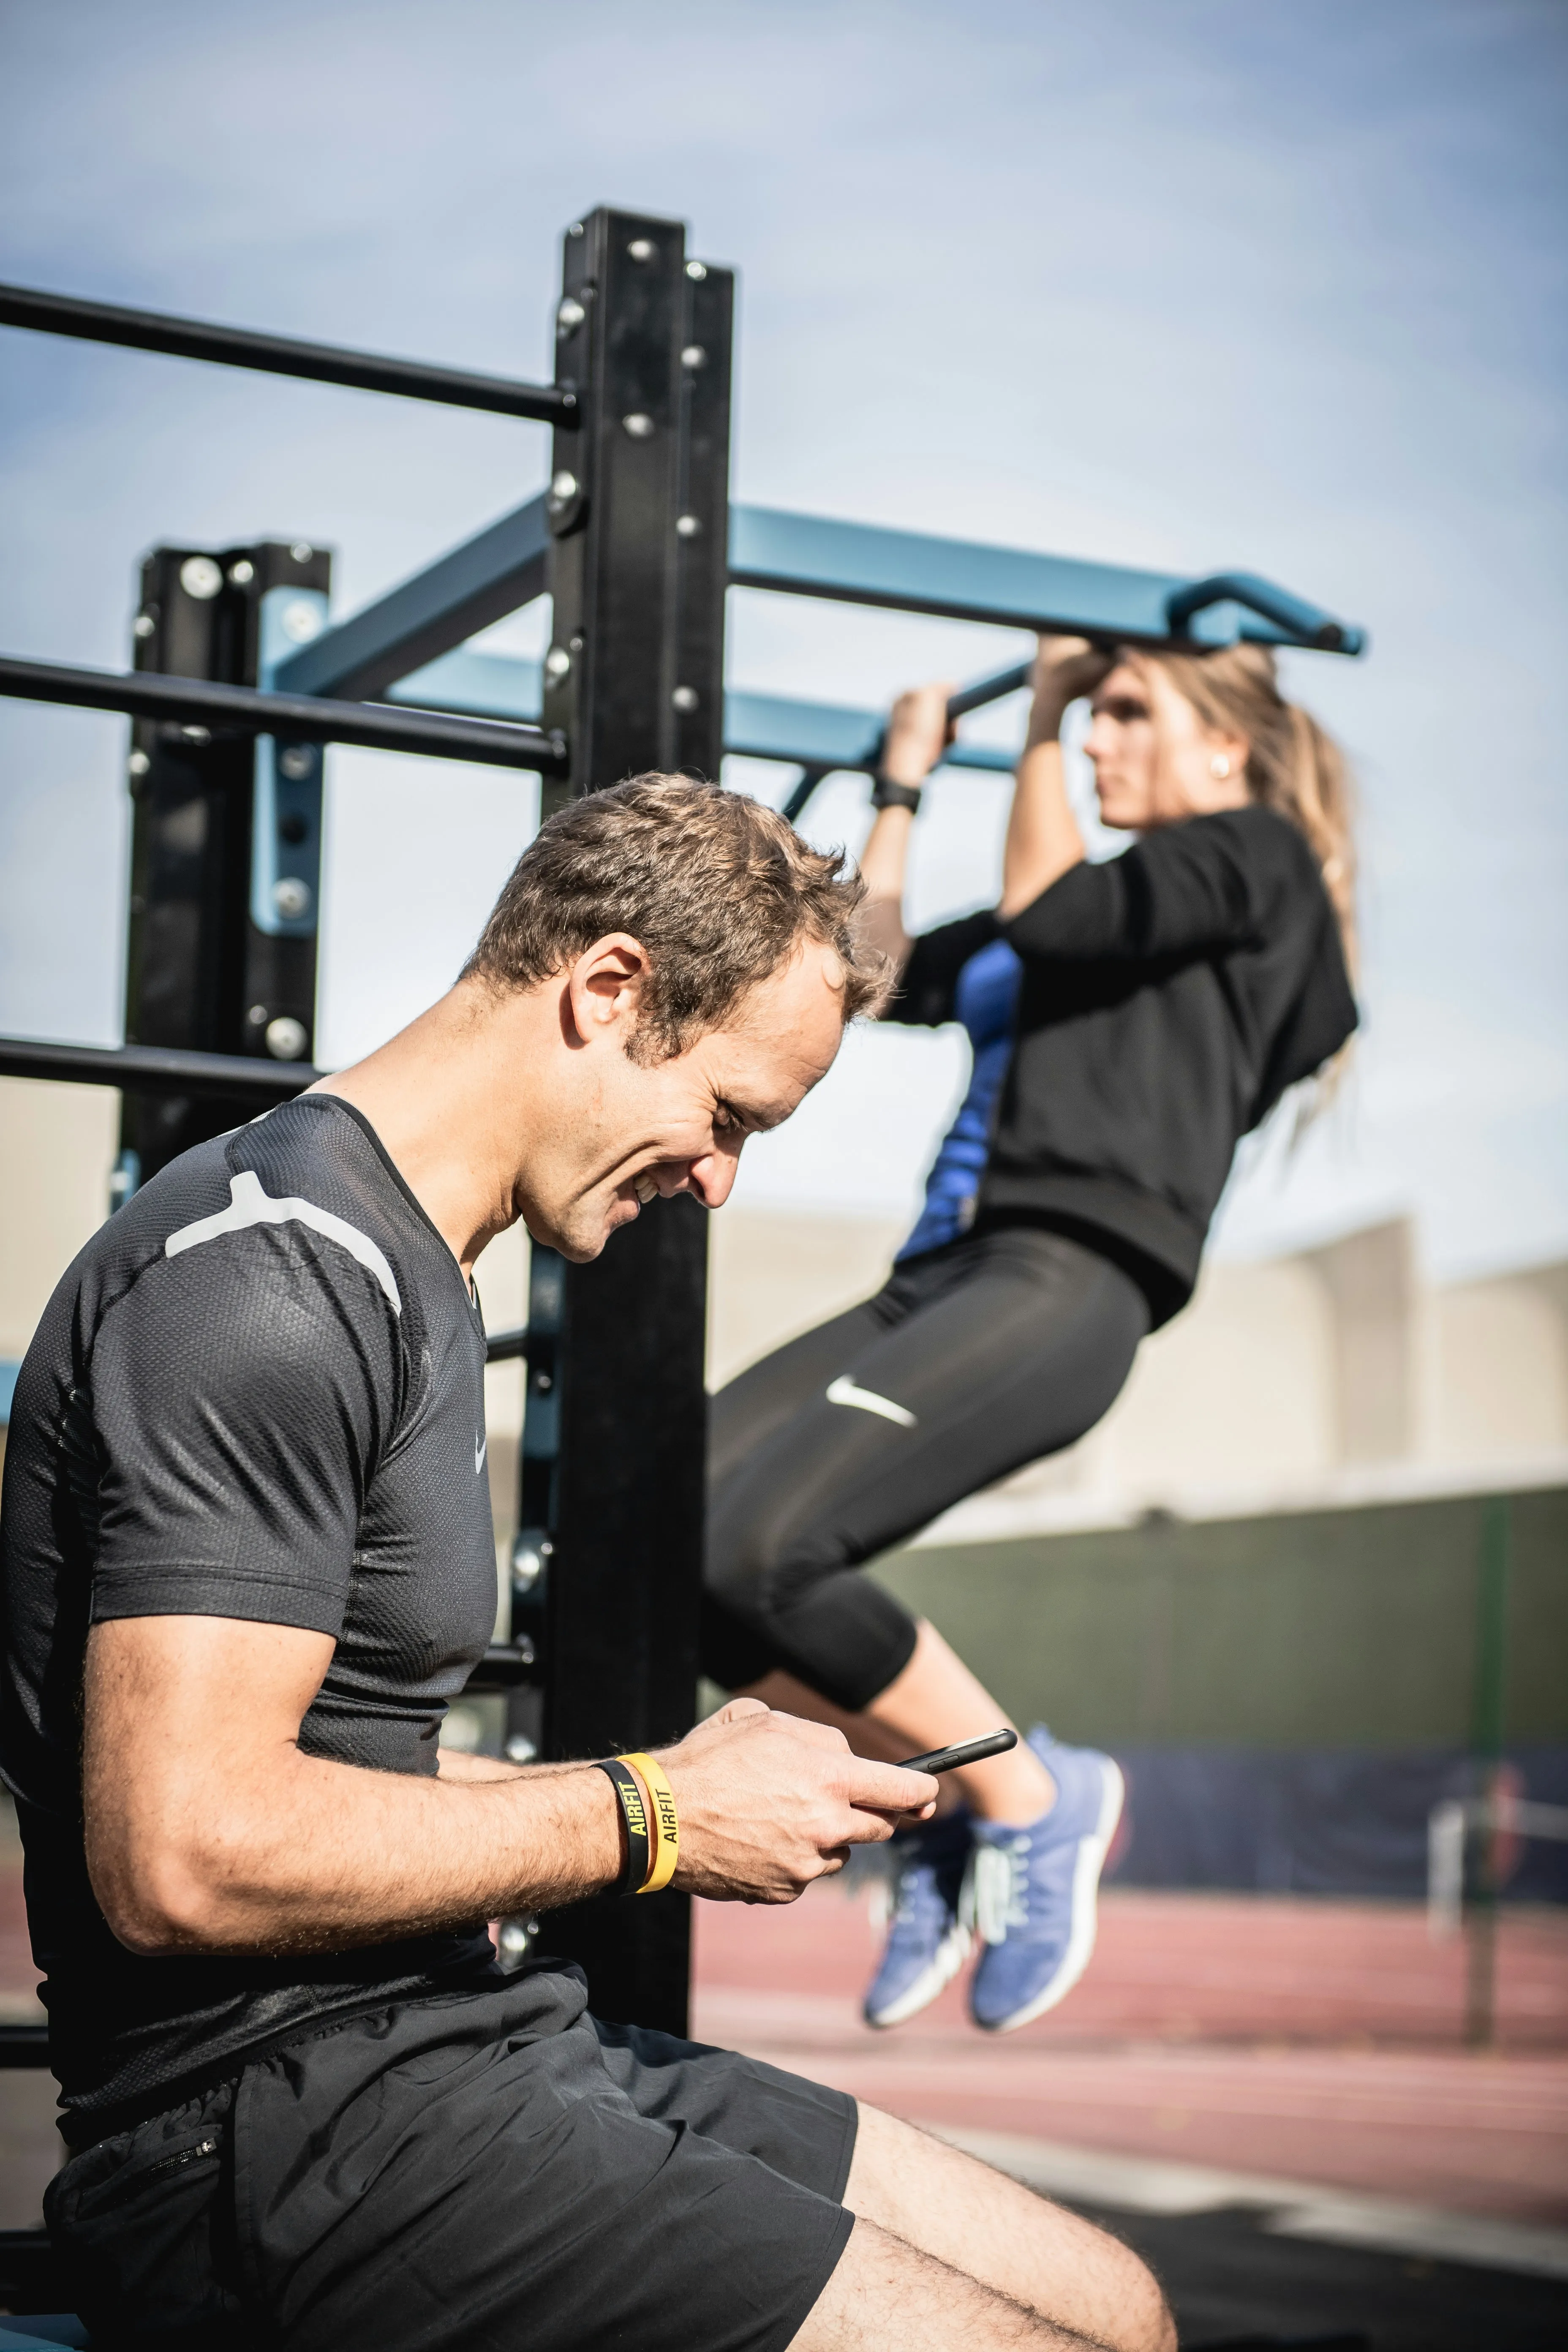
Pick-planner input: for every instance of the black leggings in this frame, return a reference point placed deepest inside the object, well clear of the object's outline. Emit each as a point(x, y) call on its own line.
point(983, 1355)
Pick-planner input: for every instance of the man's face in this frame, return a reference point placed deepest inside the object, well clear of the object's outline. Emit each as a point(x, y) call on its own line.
point(624, 1132)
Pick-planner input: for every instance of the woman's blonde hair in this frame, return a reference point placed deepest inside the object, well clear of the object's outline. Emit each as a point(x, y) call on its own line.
point(1291, 764)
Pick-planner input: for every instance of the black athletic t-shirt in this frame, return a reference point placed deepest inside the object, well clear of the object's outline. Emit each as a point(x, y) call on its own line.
point(258, 1392)
point(1168, 999)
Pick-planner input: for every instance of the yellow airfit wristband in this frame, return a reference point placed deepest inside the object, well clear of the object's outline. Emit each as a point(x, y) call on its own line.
point(664, 1827)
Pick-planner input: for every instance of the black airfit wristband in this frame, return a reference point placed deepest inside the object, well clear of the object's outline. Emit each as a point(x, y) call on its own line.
point(634, 1813)
point(886, 794)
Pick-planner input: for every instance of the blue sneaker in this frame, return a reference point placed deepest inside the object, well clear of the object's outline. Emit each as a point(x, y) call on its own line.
point(928, 1943)
point(1030, 1893)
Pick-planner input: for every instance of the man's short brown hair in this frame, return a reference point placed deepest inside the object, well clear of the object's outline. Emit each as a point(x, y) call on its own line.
point(719, 889)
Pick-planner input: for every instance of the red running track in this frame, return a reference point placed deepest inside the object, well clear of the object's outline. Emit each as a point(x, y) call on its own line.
point(1309, 2040)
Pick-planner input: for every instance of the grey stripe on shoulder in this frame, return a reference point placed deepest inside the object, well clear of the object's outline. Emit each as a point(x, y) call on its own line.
point(250, 1205)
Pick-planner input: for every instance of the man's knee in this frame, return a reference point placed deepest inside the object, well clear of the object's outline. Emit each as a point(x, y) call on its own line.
point(1034, 2253)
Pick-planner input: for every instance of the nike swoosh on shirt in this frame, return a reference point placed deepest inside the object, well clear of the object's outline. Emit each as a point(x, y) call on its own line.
point(479, 1445)
point(843, 1390)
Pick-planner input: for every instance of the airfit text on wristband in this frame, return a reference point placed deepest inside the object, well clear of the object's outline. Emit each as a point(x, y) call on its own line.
point(665, 1826)
point(634, 1813)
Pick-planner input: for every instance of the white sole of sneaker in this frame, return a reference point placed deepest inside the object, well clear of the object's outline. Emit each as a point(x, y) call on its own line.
point(1091, 1853)
point(950, 1954)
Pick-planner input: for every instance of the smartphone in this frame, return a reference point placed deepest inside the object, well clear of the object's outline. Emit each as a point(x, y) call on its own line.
point(968, 1751)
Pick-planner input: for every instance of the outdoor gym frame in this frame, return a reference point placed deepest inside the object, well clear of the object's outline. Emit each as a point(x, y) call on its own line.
point(239, 680)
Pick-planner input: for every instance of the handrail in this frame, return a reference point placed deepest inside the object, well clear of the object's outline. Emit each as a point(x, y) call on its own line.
point(198, 339)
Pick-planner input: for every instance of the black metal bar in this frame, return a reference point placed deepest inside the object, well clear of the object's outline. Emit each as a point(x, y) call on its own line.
point(805, 786)
point(377, 726)
point(617, 1493)
point(218, 821)
point(506, 1347)
point(479, 582)
point(198, 339)
point(157, 1069)
point(702, 524)
point(24, 2045)
point(989, 689)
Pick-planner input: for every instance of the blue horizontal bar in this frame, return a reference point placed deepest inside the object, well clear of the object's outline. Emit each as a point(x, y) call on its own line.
point(463, 592)
point(807, 555)
point(756, 726)
point(828, 735)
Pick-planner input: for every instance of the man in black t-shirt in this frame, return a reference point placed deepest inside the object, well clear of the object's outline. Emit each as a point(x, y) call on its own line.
point(247, 1562)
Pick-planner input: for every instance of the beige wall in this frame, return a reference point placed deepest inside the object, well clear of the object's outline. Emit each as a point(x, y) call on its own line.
point(57, 1145)
point(1329, 1375)
point(1304, 1378)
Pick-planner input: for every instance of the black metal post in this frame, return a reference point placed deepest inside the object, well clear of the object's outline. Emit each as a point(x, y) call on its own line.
point(202, 973)
point(615, 1419)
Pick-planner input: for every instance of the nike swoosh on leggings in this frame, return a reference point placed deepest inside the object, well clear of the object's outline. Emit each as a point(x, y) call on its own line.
point(844, 1390)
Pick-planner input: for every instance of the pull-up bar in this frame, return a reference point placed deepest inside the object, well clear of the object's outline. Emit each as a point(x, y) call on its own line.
point(196, 339)
point(190, 702)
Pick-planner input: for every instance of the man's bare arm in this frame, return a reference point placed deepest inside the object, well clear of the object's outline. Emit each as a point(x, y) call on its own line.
point(209, 1830)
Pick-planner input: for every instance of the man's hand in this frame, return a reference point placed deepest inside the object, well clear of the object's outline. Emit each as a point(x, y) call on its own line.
point(768, 1802)
point(209, 1830)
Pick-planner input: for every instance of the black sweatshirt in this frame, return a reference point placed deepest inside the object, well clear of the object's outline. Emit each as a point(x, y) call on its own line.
point(1169, 997)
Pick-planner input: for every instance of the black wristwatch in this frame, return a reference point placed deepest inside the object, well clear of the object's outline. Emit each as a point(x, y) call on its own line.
point(886, 794)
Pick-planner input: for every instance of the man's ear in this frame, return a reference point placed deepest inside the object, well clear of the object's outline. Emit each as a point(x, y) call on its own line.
point(605, 986)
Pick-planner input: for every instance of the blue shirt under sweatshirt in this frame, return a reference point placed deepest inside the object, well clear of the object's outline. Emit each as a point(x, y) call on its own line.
point(985, 1000)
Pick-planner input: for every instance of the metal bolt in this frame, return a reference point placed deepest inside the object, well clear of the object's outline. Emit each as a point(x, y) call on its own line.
point(292, 899)
point(302, 622)
point(569, 315)
point(256, 1017)
point(543, 1383)
point(575, 641)
point(520, 1749)
point(139, 763)
point(686, 527)
point(143, 626)
point(557, 661)
point(286, 1038)
point(302, 550)
point(575, 229)
point(639, 426)
point(200, 577)
point(296, 760)
point(685, 697)
point(242, 574)
point(642, 248)
point(693, 356)
point(562, 487)
point(695, 269)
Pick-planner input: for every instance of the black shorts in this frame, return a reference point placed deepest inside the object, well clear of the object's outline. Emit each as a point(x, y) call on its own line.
point(473, 2172)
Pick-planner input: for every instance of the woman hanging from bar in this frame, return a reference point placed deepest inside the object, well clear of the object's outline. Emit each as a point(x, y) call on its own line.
point(1130, 1021)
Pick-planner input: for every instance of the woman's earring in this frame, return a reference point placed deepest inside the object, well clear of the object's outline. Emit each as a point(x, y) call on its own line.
point(1219, 767)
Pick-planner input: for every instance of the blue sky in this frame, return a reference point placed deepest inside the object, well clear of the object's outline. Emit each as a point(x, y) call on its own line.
point(1192, 287)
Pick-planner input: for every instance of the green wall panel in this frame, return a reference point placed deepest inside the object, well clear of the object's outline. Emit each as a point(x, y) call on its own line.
point(1313, 1629)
